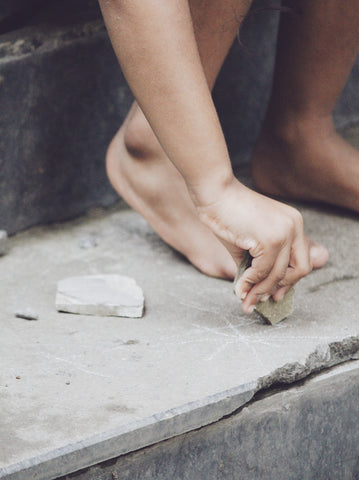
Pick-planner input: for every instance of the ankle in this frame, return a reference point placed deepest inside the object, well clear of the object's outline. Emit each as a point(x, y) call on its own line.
point(139, 140)
point(291, 128)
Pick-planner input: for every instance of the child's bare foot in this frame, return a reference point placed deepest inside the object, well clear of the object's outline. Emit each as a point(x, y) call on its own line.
point(141, 173)
point(307, 161)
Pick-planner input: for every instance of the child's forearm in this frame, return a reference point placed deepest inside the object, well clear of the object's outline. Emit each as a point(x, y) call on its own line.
point(155, 44)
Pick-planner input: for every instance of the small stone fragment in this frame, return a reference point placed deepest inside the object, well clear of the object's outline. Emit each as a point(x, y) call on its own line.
point(27, 314)
point(103, 295)
point(3, 242)
point(88, 242)
point(273, 312)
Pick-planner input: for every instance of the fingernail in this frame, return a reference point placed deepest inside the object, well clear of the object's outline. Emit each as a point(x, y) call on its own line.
point(251, 309)
point(239, 292)
point(315, 251)
point(265, 297)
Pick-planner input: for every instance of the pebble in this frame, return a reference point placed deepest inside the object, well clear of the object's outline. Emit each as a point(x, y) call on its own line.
point(27, 314)
point(274, 312)
point(102, 295)
point(88, 242)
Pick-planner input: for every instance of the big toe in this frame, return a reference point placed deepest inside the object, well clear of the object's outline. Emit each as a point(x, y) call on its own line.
point(319, 255)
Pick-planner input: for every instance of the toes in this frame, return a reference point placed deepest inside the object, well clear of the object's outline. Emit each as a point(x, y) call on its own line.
point(319, 255)
point(227, 272)
point(219, 265)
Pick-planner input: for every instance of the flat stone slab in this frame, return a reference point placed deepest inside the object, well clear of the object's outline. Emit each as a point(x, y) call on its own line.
point(102, 295)
point(76, 390)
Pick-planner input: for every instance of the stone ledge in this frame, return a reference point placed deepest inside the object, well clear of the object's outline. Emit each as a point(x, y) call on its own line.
point(53, 139)
point(78, 390)
point(303, 433)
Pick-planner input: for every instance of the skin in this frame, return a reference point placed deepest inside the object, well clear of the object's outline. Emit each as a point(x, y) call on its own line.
point(299, 155)
point(159, 49)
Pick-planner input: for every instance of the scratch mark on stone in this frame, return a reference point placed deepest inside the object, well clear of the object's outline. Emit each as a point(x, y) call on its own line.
point(201, 308)
point(217, 351)
point(78, 367)
point(212, 330)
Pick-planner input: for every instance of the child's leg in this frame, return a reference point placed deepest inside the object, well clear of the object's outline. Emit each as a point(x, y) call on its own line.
point(140, 171)
point(299, 155)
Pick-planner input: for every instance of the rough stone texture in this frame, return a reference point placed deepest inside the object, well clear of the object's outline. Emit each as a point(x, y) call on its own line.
point(3, 242)
point(102, 295)
point(76, 390)
point(54, 136)
point(274, 312)
point(308, 432)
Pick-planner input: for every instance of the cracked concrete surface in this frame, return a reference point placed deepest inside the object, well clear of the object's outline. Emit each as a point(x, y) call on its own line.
point(77, 390)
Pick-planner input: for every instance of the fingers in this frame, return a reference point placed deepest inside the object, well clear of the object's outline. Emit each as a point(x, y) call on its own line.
point(261, 290)
point(319, 255)
point(277, 269)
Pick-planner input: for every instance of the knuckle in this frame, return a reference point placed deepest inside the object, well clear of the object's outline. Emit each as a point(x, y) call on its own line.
point(260, 292)
point(303, 271)
point(277, 278)
point(277, 239)
point(256, 275)
point(254, 278)
point(282, 234)
point(282, 283)
point(297, 218)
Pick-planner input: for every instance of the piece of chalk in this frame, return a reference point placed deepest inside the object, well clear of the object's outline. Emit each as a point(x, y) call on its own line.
point(273, 312)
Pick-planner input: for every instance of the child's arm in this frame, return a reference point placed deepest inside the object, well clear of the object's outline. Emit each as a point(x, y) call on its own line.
point(155, 44)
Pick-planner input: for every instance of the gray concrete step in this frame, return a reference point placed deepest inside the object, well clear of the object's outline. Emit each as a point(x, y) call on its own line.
point(308, 432)
point(76, 391)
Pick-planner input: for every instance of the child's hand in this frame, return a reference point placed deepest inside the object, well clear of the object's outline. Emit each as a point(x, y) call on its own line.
point(271, 231)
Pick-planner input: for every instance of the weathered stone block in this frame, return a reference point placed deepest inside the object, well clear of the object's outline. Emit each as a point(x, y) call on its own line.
point(61, 102)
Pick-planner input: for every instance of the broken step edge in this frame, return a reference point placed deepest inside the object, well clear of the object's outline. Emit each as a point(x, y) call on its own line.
point(178, 420)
